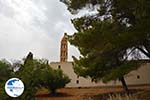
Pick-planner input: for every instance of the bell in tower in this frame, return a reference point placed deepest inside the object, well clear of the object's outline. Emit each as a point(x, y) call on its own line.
point(64, 49)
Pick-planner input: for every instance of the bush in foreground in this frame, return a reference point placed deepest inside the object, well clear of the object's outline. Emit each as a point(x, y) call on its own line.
point(54, 79)
point(35, 74)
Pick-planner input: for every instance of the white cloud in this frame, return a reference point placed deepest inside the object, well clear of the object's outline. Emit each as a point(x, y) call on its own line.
point(16, 42)
point(33, 25)
point(26, 11)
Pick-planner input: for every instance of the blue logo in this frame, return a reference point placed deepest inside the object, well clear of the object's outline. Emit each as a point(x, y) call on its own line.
point(14, 87)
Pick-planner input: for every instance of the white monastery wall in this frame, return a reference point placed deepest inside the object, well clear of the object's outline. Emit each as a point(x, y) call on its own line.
point(140, 76)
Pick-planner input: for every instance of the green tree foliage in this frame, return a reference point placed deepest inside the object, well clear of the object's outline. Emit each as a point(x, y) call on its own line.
point(6, 72)
point(38, 74)
point(107, 39)
point(35, 74)
point(31, 74)
point(54, 79)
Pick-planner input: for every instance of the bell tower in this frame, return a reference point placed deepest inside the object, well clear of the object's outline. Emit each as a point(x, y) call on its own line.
point(64, 49)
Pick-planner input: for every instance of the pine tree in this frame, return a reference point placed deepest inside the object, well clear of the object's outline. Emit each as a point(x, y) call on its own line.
point(119, 30)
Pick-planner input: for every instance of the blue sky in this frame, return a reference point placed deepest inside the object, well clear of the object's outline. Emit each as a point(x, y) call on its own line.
point(34, 26)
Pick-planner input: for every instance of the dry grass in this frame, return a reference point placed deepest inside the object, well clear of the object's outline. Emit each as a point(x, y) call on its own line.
point(141, 95)
point(119, 97)
point(140, 92)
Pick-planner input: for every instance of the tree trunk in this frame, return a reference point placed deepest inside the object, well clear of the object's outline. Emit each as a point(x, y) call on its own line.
point(124, 85)
point(53, 91)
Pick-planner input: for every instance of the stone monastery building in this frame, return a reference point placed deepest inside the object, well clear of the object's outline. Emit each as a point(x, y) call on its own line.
point(140, 76)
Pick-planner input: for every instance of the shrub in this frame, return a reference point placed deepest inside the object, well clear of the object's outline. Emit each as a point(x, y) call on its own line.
point(54, 79)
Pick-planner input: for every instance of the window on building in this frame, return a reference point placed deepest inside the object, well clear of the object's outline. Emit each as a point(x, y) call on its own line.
point(77, 81)
point(138, 76)
point(59, 66)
